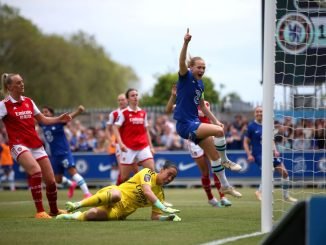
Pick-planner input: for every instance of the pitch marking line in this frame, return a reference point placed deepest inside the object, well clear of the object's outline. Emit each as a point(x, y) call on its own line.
point(232, 239)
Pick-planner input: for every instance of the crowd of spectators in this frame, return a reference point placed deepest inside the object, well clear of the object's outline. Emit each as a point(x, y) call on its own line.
point(303, 134)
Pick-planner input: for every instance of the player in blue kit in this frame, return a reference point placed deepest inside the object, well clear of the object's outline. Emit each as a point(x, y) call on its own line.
point(253, 137)
point(210, 137)
point(60, 153)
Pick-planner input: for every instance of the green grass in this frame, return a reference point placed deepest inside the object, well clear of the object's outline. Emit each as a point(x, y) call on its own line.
point(200, 222)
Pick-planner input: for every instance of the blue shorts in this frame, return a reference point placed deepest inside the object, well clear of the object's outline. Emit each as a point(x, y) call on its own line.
point(7, 169)
point(62, 162)
point(276, 161)
point(187, 130)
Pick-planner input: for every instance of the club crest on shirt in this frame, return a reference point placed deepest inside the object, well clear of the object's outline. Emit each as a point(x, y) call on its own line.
point(147, 178)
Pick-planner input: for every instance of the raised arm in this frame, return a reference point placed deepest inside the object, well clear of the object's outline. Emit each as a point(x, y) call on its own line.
point(63, 118)
point(79, 110)
point(170, 105)
point(183, 68)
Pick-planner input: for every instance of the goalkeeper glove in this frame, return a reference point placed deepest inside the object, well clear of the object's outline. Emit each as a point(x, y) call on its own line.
point(176, 217)
point(168, 210)
point(170, 217)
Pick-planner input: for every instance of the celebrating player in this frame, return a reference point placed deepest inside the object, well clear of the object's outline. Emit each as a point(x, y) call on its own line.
point(190, 95)
point(144, 189)
point(131, 130)
point(18, 113)
point(60, 153)
point(201, 158)
point(253, 137)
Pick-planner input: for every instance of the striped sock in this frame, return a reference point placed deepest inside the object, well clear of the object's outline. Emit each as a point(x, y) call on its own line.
point(219, 170)
point(81, 183)
point(220, 144)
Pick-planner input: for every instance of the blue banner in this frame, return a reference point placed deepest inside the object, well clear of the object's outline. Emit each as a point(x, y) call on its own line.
point(99, 166)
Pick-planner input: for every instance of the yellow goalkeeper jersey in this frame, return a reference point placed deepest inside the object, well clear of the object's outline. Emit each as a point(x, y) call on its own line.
point(132, 195)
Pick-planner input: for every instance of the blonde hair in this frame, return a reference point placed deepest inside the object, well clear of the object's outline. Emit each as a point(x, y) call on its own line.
point(192, 60)
point(5, 81)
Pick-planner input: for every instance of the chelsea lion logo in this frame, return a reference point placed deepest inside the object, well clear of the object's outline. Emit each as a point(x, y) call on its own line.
point(294, 33)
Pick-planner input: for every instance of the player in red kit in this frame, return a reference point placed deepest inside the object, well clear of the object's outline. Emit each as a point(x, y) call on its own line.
point(17, 113)
point(131, 130)
point(113, 116)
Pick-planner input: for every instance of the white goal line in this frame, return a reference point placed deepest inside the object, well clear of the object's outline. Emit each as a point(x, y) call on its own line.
point(232, 239)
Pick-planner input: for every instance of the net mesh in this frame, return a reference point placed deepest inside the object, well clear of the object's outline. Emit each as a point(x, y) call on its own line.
point(300, 98)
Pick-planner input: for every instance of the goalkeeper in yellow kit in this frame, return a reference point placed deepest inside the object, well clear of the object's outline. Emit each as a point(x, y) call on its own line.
point(144, 189)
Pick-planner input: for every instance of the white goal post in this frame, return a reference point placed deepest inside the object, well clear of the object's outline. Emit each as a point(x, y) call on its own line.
point(268, 93)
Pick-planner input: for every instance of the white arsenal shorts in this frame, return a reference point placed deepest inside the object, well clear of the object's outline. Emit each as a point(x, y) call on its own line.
point(37, 153)
point(195, 150)
point(131, 156)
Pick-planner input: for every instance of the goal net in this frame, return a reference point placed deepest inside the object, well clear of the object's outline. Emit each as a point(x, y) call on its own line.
point(299, 100)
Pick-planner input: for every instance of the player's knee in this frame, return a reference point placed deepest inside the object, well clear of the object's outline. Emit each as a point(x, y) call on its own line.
point(285, 174)
point(219, 132)
point(58, 179)
point(95, 214)
point(72, 171)
point(115, 196)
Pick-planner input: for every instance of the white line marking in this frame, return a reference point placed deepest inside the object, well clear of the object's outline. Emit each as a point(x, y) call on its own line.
point(232, 239)
point(15, 202)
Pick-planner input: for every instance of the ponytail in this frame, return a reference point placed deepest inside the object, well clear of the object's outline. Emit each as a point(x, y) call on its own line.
point(5, 81)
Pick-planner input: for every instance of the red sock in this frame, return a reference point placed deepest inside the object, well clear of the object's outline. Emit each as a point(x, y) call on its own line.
point(35, 184)
point(218, 185)
point(206, 183)
point(119, 180)
point(51, 194)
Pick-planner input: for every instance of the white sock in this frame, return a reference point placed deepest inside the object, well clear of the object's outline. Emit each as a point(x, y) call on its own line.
point(219, 171)
point(66, 181)
point(11, 179)
point(285, 187)
point(220, 144)
point(81, 183)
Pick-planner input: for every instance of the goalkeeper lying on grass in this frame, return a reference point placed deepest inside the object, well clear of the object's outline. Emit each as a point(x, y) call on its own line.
point(144, 189)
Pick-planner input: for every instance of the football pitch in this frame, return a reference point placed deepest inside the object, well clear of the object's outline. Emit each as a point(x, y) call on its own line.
point(200, 223)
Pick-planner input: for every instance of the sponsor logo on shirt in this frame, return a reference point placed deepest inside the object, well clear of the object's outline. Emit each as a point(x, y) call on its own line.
point(147, 178)
point(136, 120)
point(24, 114)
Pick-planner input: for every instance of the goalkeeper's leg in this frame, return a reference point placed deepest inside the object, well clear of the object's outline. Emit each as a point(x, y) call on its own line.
point(106, 196)
point(93, 214)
